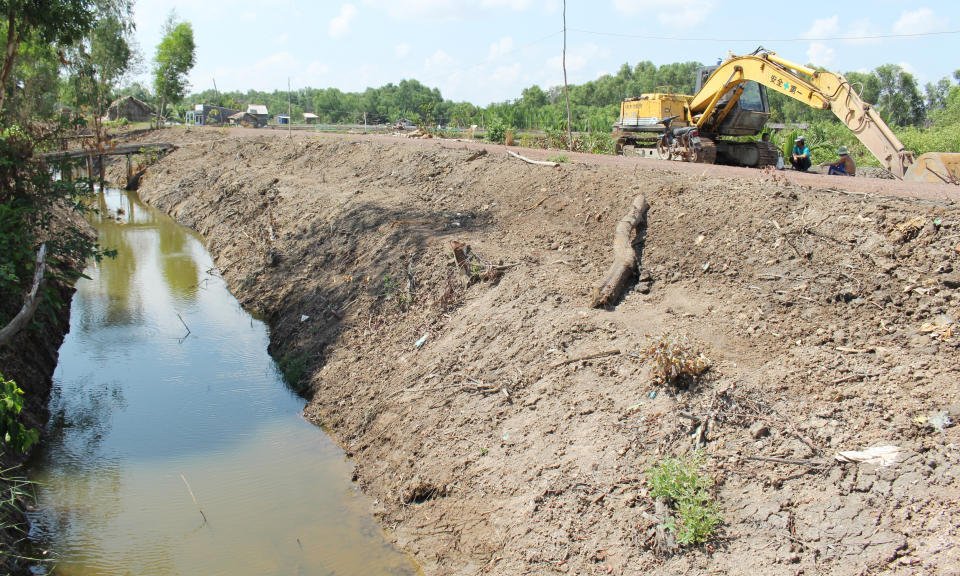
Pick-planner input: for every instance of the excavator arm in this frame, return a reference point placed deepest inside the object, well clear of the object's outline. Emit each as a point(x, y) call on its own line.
point(817, 89)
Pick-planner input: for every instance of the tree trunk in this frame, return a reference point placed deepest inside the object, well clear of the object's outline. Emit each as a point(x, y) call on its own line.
point(31, 303)
point(624, 256)
point(13, 46)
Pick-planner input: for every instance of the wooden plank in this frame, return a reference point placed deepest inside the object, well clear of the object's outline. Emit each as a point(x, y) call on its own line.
point(121, 150)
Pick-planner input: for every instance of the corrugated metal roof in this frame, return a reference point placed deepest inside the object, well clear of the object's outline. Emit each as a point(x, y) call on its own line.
point(257, 109)
point(310, 115)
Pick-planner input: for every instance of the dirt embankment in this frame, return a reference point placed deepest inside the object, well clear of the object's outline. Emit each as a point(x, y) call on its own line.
point(29, 359)
point(489, 447)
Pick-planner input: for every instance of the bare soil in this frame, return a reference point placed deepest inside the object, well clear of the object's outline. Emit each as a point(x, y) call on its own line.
point(826, 306)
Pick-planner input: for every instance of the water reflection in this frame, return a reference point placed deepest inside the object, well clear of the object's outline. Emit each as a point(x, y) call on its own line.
point(134, 405)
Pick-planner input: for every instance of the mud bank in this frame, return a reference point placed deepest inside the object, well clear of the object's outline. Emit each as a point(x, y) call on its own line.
point(30, 360)
point(488, 446)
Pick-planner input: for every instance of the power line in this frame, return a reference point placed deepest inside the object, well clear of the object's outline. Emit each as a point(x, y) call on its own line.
point(766, 39)
point(495, 57)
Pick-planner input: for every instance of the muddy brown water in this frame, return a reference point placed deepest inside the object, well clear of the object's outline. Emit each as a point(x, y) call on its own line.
point(137, 401)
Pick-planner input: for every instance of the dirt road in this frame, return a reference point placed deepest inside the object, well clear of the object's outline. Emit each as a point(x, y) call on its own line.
point(487, 441)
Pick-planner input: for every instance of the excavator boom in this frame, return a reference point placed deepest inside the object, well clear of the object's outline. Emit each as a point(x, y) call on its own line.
point(823, 90)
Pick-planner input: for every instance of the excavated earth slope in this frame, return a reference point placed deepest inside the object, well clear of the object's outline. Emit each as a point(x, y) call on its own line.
point(489, 446)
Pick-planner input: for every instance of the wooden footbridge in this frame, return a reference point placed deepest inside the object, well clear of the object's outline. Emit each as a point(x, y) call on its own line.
point(96, 159)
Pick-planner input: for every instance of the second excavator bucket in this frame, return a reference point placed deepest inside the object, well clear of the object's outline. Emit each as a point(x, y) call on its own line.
point(935, 167)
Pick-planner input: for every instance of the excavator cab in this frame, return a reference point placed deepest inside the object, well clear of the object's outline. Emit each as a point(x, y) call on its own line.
point(749, 113)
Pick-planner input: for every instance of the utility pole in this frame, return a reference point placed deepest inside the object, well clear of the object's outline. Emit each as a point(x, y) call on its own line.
point(566, 93)
point(364, 122)
point(290, 110)
point(217, 93)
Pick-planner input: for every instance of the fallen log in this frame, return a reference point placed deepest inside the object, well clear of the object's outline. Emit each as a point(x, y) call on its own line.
point(529, 161)
point(32, 301)
point(624, 256)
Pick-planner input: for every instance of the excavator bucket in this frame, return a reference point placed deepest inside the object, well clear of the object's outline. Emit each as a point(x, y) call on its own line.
point(935, 167)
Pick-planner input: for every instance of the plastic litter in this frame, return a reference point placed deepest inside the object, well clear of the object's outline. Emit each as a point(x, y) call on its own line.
point(420, 342)
point(304, 318)
point(882, 455)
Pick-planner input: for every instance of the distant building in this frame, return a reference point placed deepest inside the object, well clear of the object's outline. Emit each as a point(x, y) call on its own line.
point(310, 118)
point(260, 111)
point(131, 109)
point(283, 119)
point(203, 114)
point(245, 119)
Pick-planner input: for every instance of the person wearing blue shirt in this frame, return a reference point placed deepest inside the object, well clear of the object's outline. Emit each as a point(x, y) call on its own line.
point(800, 159)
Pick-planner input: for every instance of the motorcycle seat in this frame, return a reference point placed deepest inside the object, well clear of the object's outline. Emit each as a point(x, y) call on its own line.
point(684, 130)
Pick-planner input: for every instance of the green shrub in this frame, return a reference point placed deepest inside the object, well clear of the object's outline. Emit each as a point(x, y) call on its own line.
point(15, 435)
point(561, 158)
point(293, 368)
point(688, 493)
point(497, 131)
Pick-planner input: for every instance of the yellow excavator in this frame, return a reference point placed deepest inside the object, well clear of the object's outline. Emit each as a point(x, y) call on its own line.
point(731, 100)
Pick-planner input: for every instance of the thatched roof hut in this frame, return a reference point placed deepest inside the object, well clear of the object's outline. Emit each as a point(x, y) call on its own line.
point(130, 108)
point(245, 119)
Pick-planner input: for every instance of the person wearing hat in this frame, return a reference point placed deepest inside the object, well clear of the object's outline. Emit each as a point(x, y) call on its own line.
point(845, 166)
point(800, 159)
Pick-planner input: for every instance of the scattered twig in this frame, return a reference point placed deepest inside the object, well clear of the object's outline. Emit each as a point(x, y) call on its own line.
point(588, 357)
point(855, 377)
point(192, 496)
point(542, 200)
point(798, 462)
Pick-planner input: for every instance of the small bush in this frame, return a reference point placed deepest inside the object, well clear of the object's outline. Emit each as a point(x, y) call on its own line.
point(497, 131)
point(14, 434)
point(673, 357)
point(687, 491)
point(561, 158)
point(293, 368)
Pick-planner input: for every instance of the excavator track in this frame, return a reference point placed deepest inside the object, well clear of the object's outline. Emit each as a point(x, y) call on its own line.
point(768, 154)
point(709, 153)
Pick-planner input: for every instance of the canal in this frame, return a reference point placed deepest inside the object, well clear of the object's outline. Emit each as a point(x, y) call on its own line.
point(165, 403)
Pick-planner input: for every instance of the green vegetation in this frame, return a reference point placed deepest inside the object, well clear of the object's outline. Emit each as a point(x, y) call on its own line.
point(14, 434)
point(174, 59)
point(497, 131)
point(293, 368)
point(678, 481)
point(560, 158)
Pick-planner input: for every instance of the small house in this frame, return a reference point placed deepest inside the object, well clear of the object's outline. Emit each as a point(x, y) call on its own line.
point(245, 119)
point(260, 111)
point(130, 109)
point(310, 118)
point(283, 119)
point(203, 114)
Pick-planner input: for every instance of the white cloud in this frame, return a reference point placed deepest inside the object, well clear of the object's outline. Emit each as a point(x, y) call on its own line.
point(919, 21)
point(248, 16)
point(446, 10)
point(822, 55)
point(401, 50)
point(267, 74)
point(602, 73)
point(823, 28)
point(677, 13)
point(505, 46)
point(506, 73)
point(282, 38)
point(439, 63)
point(861, 28)
point(340, 25)
point(578, 57)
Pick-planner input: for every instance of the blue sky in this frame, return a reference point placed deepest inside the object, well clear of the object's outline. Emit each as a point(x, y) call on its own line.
point(351, 45)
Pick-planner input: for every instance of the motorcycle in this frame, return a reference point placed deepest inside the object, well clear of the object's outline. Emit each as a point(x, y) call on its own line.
point(679, 143)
